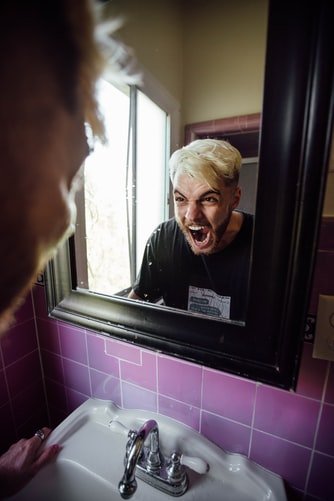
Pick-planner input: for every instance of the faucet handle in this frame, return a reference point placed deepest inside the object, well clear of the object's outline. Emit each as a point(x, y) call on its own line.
point(194, 463)
point(177, 460)
point(130, 434)
point(176, 472)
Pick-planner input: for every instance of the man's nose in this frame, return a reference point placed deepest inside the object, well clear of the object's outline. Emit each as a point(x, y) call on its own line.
point(193, 212)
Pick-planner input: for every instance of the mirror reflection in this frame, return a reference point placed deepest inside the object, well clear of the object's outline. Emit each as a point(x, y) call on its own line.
point(120, 208)
point(199, 260)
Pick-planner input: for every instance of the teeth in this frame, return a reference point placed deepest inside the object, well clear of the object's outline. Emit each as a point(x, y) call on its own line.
point(196, 228)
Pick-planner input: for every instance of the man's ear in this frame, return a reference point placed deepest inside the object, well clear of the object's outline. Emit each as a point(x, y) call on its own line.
point(236, 197)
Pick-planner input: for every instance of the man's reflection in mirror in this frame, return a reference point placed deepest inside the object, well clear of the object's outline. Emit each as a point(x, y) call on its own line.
point(199, 260)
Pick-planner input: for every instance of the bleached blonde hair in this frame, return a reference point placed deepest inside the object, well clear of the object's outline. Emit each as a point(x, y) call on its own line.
point(208, 160)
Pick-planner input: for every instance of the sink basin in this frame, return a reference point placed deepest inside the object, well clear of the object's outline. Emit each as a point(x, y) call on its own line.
point(90, 465)
point(68, 480)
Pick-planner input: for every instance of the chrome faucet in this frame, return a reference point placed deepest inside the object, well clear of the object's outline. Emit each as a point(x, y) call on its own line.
point(134, 451)
point(147, 463)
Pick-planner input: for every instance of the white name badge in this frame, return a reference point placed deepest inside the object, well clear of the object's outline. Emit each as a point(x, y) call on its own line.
point(207, 302)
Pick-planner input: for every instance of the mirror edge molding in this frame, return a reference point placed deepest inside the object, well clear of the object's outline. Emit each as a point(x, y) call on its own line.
point(242, 123)
point(297, 121)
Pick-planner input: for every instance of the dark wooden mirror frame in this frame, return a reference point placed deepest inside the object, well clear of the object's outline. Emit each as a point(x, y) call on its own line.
point(296, 129)
point(242, 131)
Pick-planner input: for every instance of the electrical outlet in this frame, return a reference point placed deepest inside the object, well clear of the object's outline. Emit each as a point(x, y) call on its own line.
point(324, 332)
point(309, 328)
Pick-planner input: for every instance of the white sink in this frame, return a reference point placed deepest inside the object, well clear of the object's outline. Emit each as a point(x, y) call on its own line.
point(90, 465)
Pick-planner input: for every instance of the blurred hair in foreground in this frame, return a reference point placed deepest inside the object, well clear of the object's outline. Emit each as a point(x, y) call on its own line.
point(52, 56)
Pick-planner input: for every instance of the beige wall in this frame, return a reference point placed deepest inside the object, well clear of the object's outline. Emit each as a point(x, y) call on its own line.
point(224, 55)
point(328, 210)
point(208, 54)
point(153, 29)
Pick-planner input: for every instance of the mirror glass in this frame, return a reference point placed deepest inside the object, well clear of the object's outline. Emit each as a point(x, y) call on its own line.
point(296, 126)
point(199, 61)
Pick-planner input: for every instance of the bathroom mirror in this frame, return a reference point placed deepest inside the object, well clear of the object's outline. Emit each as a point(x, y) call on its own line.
point(296, 127)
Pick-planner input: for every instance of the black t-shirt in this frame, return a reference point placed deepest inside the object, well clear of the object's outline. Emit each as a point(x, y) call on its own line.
point(215, 285)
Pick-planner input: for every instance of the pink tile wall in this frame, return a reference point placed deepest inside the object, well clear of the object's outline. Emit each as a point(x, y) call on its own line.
point(19, 356)
point(288, 433)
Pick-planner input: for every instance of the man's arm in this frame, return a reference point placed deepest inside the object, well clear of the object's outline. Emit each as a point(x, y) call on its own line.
point(133, 295)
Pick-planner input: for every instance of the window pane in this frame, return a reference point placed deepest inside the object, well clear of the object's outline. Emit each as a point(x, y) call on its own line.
point(152, 180)
point(105, 194)
point(125, 195)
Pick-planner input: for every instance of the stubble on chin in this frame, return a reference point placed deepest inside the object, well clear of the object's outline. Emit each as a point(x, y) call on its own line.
point(216, 239)
point(190, 242)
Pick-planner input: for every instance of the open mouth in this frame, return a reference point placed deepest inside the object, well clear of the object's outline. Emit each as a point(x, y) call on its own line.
point(200, 235)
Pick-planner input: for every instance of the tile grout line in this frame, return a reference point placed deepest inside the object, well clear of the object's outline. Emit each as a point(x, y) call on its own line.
point(157, 382)
point(88, 365)
point(201, 402)
point(40, 357)
point(252, 421)
point(315, 436)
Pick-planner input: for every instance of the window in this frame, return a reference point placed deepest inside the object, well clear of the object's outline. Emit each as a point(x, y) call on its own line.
point(125, 191)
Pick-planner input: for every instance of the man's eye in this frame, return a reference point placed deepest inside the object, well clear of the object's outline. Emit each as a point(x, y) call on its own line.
point(209, 200)
point(179, 200)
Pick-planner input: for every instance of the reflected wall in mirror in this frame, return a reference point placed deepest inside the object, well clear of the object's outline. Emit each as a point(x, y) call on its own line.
point(296, 128)
point(209, 55)
point(107, 241)
point(120, 207)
